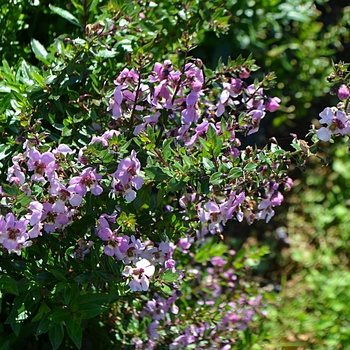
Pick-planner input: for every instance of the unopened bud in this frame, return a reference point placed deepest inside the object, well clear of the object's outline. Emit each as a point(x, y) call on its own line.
point(343, 92)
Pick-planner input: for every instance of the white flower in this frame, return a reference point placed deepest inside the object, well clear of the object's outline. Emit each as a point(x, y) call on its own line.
point(141, 274)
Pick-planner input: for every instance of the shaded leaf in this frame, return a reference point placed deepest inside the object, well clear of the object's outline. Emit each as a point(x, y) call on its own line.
point(65, 14)
point(39, 50)
point(56, 334)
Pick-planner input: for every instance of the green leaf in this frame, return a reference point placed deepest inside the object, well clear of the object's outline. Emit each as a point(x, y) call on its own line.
point(59, 315)
point(6, 69)
point(156, 174)
point(75, 331)
point(9, 284)
point(166, 148)
point(39, 51)
point(65, 14)
point(38, 78)
point(211, 134)
point(235, 173)
point(5, 102)
point(56, 334)
point(91, 298)
point(43, 326)
point(298, 16)
point(9, 190)
point(84, 278)
point(175, 185)
point(216, 179)
point(43, 310)
point(218, 147)
point(168, 276)
point(23, 200)
point(208, 164)
point(106, 53)
point(250, 167)
point(16, 327)
point(91, 310)
point(164, 288)
point(108, 158)
point(92, 304)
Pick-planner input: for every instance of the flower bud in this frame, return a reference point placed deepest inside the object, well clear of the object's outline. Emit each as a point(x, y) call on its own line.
point(272, 104)
point(343, 92)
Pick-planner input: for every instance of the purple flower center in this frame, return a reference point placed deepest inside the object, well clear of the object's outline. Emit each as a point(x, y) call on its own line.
point(214, 217)
point(86, 180)
point(138, 272)
point(64, 195)
point(12, 232)
point(39, 168)
point(118, 187)
point(337, 123)
point(131, 170)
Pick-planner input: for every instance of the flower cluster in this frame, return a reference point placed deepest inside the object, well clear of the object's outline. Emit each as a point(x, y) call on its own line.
point(170, 168)
point(230, 316)
point(140, 258)
point(181, 96)
point(62, 193)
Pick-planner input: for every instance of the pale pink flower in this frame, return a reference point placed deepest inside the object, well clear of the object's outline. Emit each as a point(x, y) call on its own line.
point(141, 274)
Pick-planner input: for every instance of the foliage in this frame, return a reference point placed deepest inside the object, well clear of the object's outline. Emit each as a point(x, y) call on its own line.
point(293, 39)
point(121, 162)
point(313, 309)
point(115, 177)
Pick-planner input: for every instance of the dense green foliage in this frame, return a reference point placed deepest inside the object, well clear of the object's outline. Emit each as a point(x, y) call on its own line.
point(57, 76)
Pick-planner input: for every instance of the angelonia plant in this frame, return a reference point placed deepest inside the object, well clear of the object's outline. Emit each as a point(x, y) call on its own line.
point(118, 189)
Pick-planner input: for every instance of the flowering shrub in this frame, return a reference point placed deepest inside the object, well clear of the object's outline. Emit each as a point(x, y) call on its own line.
point(120, 181)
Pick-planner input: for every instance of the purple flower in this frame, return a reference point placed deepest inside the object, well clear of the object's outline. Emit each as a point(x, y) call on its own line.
point(194, 77)
point(343, 92)
point(256, 115)
point(103, 230)
point(141, 275)
point(184, 244)
point(37, 212)
point(135, 250)
point(127, 76)
point(338, 123)
point(41, 164)
point(244, 74)
point(218, 261)
point(53, 220)
point(118, 246)
point(63, 149)
point(87, 179)
point(15, 173)
point(155, 309)
point(232, 89)
point(116, 101)
point(170, 264)
point(149, 120)
point(254, 98)
point(190, 115)
point(274, 198)
point(272, 104)
point(152, 329)
point(211, 213)
point(161, 96)
point(64, 195)
point(35, 231)
point(127, 176)
point(183, 340)
point(233, 203)
point(13, 235)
